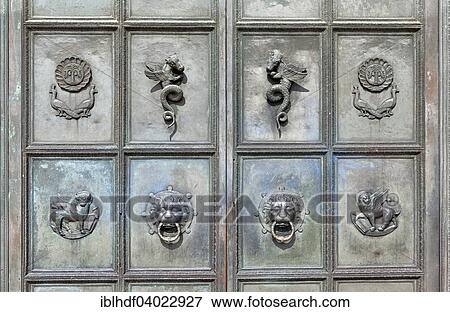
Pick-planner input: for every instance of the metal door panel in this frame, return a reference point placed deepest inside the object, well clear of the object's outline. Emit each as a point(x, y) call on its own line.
point(71, 8)
point(226, 143)
point(264, 176)
point(146, 123)
point(50, 287)
point(169, 287)
point(63, 178)
point(309, 9)
point(258, 117)
point(376, 286)
point(399, 249)
point(51, 48)
point(283, 286)
point(399, 50)
point(381, 9)
point(170, 9)
point(186, 175)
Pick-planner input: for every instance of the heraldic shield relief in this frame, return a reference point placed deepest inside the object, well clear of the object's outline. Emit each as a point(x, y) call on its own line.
point(378, 214)
point(76, 218)
point(73, 75)
point(169, 214)
point(282, 214)
point(375, 75)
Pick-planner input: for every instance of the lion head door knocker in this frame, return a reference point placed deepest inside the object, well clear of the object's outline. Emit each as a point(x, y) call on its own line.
point(169, 213)
point(280, 93)
point(76, 218)
point(170, 75)
point(378, 214)
point(282, 214)
point(73, 75)
point(375, 75)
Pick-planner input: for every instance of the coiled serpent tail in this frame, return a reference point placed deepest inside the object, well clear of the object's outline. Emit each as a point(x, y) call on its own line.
point(171, 93)
point(277, 93)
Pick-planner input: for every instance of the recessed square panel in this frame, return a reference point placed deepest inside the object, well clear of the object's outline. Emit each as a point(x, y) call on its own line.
point(381, 9)
point(170, 9)
point(258, 120)
point(169, 287)
point(71, 287)
point(262, 179)
point(387, 186)
point(54, 221)
point(376, 286)
point(281, 9)
point(286, 286)
point(377, 87)
point(194, 111)
point(78, 111)
point(71, 8)
point(185, 175)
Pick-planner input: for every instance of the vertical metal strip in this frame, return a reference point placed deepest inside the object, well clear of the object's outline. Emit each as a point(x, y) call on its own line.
point(432, 146)
point(444, 68)
point(15, 107)
point(3, 142)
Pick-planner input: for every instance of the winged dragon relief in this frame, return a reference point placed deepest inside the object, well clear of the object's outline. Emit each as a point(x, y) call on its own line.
point(284, 74)
point(169, 74)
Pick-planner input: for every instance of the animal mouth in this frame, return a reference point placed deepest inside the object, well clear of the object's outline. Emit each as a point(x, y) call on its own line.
point(169, 232)
point(283, 231)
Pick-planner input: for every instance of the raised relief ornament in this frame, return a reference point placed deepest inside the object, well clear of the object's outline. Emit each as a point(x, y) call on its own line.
point(170, 75)
point(76, 218)
point(169, 214)
point(73, 75)
point(282, 214)
point(283, 75)
point(378, 212)
point(375, 75)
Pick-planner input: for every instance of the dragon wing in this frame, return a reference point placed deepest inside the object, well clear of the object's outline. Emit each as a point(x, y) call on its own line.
point(294, 73)
point(155, 72)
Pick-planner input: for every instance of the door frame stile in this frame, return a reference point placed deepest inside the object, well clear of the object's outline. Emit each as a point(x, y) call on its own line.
point(3, 140)
point(431, 280)
point(13, 153)
point(231, 134)
point(444, 67)
point(222, 148)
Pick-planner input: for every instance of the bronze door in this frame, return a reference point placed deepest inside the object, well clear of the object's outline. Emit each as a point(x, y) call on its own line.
point(208, 145)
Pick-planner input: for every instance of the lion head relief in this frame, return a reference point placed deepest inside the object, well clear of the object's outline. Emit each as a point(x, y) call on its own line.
point(282, 214)
point(169, 214)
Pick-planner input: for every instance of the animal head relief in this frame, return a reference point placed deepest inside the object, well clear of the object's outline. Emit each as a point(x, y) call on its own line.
point(76, 218)
point(169, 74)
point(375, 75)
point(73, 75)
point(169, 214)
point(283, 74)
point(282, 214)
point(378, 212)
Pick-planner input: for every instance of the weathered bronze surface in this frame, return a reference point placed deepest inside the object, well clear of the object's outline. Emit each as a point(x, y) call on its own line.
point(358, 100)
